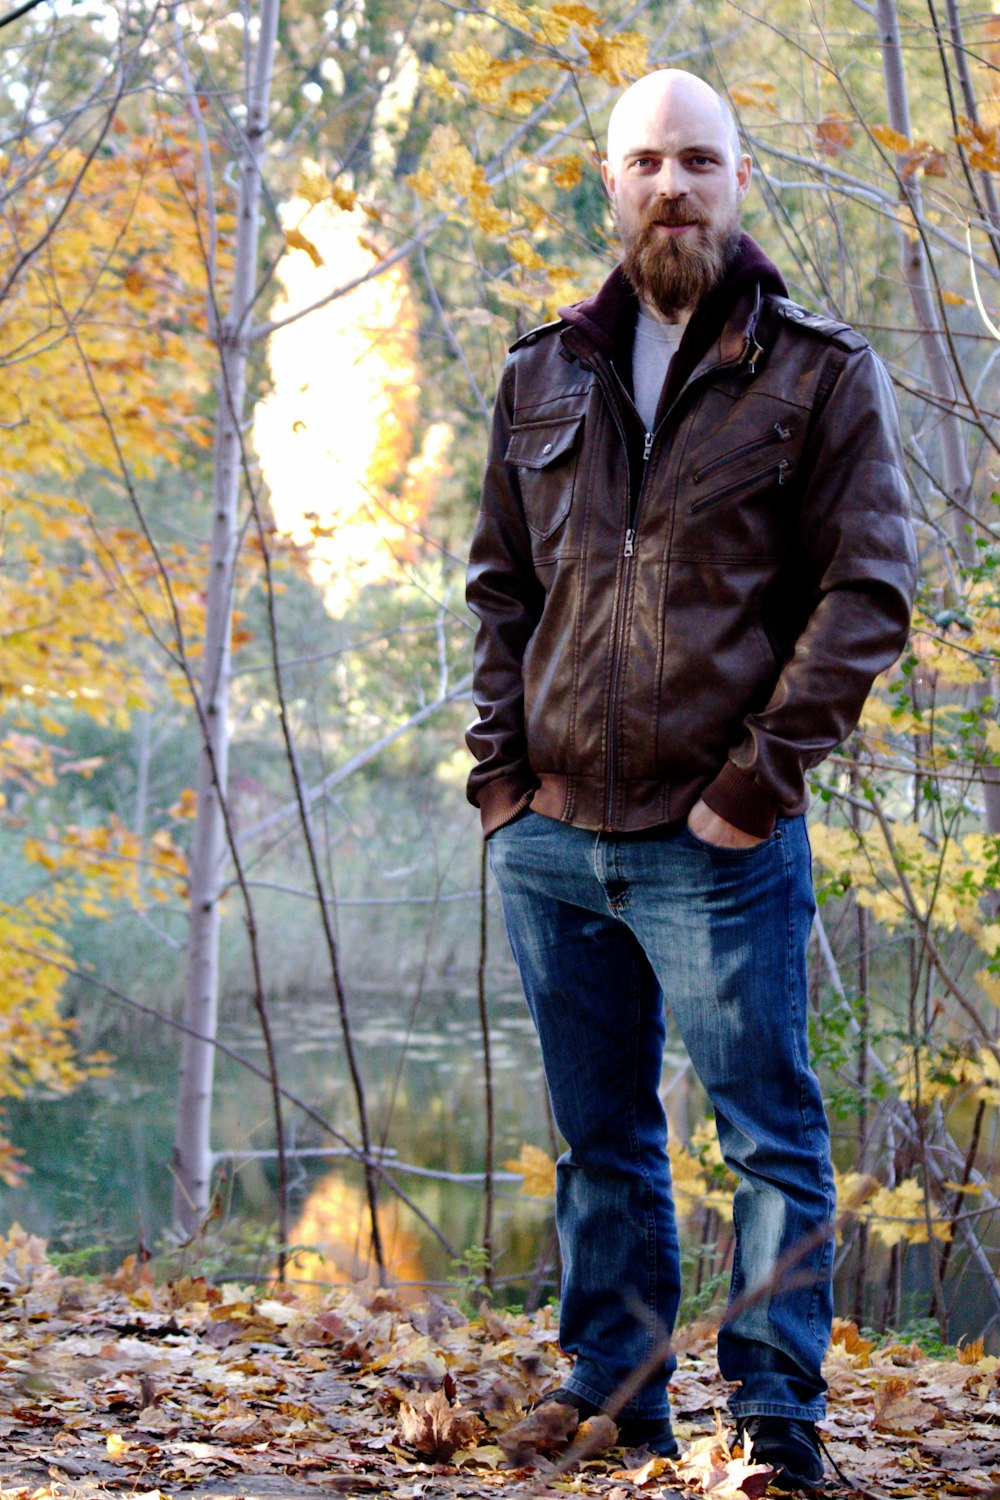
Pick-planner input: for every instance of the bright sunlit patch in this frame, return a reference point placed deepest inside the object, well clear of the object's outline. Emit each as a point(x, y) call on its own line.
point(336, 436)
point(335, 1228)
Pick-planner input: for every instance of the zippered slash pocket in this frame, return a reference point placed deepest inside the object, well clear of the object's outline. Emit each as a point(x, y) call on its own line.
point(776, 473)
point(778, 434)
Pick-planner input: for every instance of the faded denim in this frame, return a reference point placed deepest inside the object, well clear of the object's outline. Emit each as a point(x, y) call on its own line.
point(603, 927)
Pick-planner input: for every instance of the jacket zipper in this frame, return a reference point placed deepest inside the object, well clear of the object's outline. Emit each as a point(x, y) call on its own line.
point(629, 547)
point(708, 501)
point(628, 552)
point(647, 448)
point(778, 434)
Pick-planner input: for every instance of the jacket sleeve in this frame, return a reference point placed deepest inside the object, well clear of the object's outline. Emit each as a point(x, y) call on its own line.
point(503, 591)
point(856, 548)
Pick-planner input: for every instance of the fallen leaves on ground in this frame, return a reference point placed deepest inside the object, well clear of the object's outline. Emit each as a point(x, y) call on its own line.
point(122, 1386)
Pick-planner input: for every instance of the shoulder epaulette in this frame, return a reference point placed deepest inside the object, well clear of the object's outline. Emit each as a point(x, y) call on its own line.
point(841, 334)
point(534, 334)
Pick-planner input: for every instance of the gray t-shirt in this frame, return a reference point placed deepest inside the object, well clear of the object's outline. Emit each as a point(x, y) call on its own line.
point(654, 347)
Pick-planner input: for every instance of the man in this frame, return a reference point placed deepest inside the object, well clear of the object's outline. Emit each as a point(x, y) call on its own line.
point(691, 560)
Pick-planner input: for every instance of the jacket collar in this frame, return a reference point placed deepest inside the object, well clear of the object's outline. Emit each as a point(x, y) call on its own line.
point(721, 328)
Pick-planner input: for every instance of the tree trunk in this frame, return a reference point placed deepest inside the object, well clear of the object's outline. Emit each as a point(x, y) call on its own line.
point(192, 1158)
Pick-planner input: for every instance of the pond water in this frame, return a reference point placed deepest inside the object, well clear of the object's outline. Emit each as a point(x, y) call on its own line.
point(100, 1183)
point(99, 1158)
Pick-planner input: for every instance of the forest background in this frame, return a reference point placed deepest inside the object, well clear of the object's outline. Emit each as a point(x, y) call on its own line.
point(259, 270)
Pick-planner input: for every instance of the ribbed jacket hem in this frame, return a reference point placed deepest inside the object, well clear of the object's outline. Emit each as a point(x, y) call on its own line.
point(739, 799)
point(500, 801)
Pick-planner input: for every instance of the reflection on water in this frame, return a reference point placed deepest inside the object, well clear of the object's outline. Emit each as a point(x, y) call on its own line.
point(334, 1229)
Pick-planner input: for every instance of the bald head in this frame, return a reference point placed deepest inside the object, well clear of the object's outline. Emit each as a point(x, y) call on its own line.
point(676, 178)
point(669, 90)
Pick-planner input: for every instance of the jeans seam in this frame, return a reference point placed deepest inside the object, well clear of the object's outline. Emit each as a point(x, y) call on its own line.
point(650, 1235)
point(800, 1031)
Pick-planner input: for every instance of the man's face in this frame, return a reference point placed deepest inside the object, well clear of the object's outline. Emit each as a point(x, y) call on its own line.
point(676, 183)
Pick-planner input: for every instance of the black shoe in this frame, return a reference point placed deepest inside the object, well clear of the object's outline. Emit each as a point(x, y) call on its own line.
point(787, 1444)
point(654, 1433)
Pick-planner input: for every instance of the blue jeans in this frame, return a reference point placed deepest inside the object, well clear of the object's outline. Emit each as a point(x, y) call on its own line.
point(603, 927)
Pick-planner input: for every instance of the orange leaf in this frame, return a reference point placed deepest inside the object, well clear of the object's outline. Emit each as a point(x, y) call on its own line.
point(890, 138)
point(834, 134)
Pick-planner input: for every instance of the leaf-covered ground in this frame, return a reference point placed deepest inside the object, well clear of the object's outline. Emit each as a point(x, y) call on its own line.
point(123, 1386)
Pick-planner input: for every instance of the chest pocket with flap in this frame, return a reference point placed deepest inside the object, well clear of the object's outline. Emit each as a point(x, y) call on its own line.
point(546, 455)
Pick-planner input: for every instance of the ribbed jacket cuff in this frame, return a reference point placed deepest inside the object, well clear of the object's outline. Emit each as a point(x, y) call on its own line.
point(736, 797)
point(500, 802)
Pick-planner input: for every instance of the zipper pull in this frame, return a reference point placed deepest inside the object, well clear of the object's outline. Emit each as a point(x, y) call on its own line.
point(629, 542)
point(784, 433)
point(781, 470)
point(647, 447)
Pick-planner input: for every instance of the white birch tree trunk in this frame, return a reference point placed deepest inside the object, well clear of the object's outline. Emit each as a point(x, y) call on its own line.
point(192, 1158)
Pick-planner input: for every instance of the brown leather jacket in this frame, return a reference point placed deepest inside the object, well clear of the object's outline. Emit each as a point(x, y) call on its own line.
point(696, 612)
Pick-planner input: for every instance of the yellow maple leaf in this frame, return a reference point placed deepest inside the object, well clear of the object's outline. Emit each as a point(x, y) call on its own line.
point(576, 14)
point(897, 1215)
point(525, 254)
point(617, 59)
point(296, 240)
point(483, 74)
point(313, 184)
point(506, 10)
point(846, 1334)
point(440, 84)
point(536, 1169)
point(346, 198)
point(523, 101)
point(566, 171)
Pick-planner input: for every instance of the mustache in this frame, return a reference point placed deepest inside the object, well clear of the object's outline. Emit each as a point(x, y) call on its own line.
point(672, 214)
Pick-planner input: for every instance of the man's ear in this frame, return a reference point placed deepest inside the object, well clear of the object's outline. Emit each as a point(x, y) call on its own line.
point(744, 171)
point(608, 178)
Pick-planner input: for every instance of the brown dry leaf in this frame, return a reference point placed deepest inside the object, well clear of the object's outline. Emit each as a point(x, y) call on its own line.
point(437, 1429)
point(903, 1354)
point(192, 1289)
point(742, 1480)
point(705, 1461)
point(971, 1354)
point(646, 1473)
point(898, 1407)
point(546, 1430)
point(596, 1435)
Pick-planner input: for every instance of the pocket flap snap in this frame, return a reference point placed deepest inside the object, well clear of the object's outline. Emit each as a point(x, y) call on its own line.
point(539, 446)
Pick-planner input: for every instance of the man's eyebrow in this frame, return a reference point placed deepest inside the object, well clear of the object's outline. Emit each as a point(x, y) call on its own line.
point(688, 148)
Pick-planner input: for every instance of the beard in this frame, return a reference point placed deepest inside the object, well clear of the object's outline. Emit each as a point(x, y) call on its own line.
point(675, 274)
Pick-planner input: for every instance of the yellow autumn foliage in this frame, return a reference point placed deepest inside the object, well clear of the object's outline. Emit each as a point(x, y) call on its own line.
point(944, 878)
point(894, 1215)
point(107, 333)
point(923, 1075)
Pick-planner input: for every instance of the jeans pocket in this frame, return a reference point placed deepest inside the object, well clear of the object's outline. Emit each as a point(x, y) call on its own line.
point(728, 853)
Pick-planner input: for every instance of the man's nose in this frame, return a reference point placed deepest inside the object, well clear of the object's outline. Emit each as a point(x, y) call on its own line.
point(671, 181)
